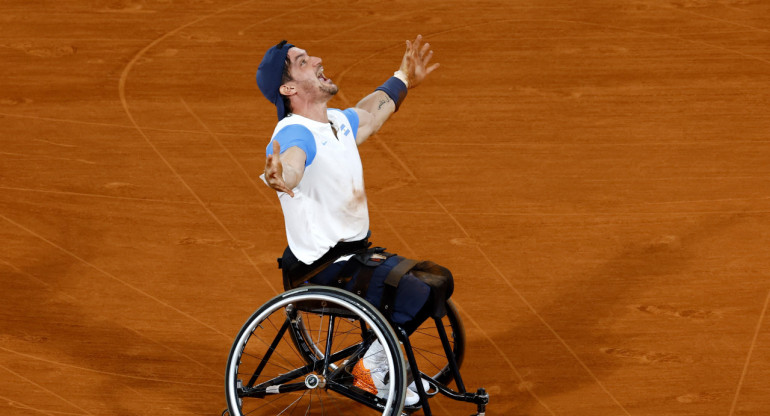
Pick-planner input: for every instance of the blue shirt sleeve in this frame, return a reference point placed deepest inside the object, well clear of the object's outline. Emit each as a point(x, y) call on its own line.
point(295, 135)
point(353, 120)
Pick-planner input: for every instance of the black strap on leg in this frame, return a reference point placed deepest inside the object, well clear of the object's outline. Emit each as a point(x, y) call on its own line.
point(348, 271)
point(362, 281)
point(373, 258)
point(391, 283)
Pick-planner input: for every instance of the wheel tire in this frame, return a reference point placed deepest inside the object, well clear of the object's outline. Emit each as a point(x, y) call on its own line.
point(263, 352)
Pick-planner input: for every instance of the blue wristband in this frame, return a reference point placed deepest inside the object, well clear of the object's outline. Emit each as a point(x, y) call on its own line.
point(396, 90)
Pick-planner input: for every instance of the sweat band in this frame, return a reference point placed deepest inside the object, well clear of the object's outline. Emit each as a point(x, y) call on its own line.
point(402, 76)
point(396, 90)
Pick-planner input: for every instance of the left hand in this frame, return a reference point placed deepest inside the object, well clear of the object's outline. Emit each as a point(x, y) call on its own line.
point(274, 171)
point(415, 61)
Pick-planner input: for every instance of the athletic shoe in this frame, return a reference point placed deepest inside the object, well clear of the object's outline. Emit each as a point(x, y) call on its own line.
point(370, 373)
point(425, 386)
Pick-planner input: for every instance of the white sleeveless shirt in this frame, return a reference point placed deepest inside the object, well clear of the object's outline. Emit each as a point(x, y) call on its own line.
point(329, 203)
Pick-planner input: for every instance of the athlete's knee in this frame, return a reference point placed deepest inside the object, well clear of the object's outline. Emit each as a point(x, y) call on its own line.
point(441, 283)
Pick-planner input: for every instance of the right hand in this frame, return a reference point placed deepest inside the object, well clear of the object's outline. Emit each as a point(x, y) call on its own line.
point(274, 171)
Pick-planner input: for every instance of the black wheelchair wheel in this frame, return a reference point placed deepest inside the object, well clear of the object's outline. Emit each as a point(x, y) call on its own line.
point(428, 350)
point(294, 355)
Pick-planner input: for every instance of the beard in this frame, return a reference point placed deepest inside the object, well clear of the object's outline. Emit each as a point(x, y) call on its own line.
point(330, 89)
point(318, 91)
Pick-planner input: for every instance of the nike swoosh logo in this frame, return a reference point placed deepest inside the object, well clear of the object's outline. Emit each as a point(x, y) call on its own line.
point(324, 143)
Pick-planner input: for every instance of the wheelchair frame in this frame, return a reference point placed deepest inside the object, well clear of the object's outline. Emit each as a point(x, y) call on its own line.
point(326, 366)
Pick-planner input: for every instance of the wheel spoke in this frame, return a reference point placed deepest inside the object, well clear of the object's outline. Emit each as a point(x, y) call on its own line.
point(293, 357)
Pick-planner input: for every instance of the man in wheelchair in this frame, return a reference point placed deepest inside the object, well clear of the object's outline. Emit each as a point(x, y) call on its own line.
point(314, 165)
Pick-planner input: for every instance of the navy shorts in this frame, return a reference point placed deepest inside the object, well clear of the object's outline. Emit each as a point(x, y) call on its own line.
point(411, 295)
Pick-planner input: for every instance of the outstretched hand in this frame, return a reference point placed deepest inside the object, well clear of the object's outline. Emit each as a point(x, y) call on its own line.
point(274, 171)
point(416, 60)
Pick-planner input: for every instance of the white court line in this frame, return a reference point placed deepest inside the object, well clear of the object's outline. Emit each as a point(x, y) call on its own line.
point(413, 254)
point(730, 22)
point(128, 198)
point(480, 250)
point(259, 189)
point(115, 278)
point(109, 373)
point(72, 299)
point(115, 125)
point(124, 101)
point(14, 403)
point(31, 156)
point(591, 214)
point(532, 309)
point(581, 145)
point(749, 355)
point(44, 389)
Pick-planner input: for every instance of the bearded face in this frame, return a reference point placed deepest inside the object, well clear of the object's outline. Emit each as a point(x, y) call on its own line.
point(307, 76)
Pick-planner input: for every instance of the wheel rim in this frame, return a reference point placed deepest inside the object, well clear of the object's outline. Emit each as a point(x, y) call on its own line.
point(261, 333)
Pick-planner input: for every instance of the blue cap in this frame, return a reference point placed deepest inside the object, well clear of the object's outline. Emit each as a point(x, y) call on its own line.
point(270, 75)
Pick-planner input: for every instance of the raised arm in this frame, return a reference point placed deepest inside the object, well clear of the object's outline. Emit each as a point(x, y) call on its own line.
point(284, 171)
point(377, 107)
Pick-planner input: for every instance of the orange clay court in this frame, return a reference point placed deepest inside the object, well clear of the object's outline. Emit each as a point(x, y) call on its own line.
point(595, 174)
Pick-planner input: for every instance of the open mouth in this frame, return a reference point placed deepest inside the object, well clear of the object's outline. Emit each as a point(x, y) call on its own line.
point(322, 77)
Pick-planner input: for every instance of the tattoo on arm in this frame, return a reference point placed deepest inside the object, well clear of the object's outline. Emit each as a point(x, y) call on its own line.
point(383, 101)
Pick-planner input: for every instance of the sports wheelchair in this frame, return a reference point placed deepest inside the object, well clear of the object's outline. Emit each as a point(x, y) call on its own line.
point(295, 354)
